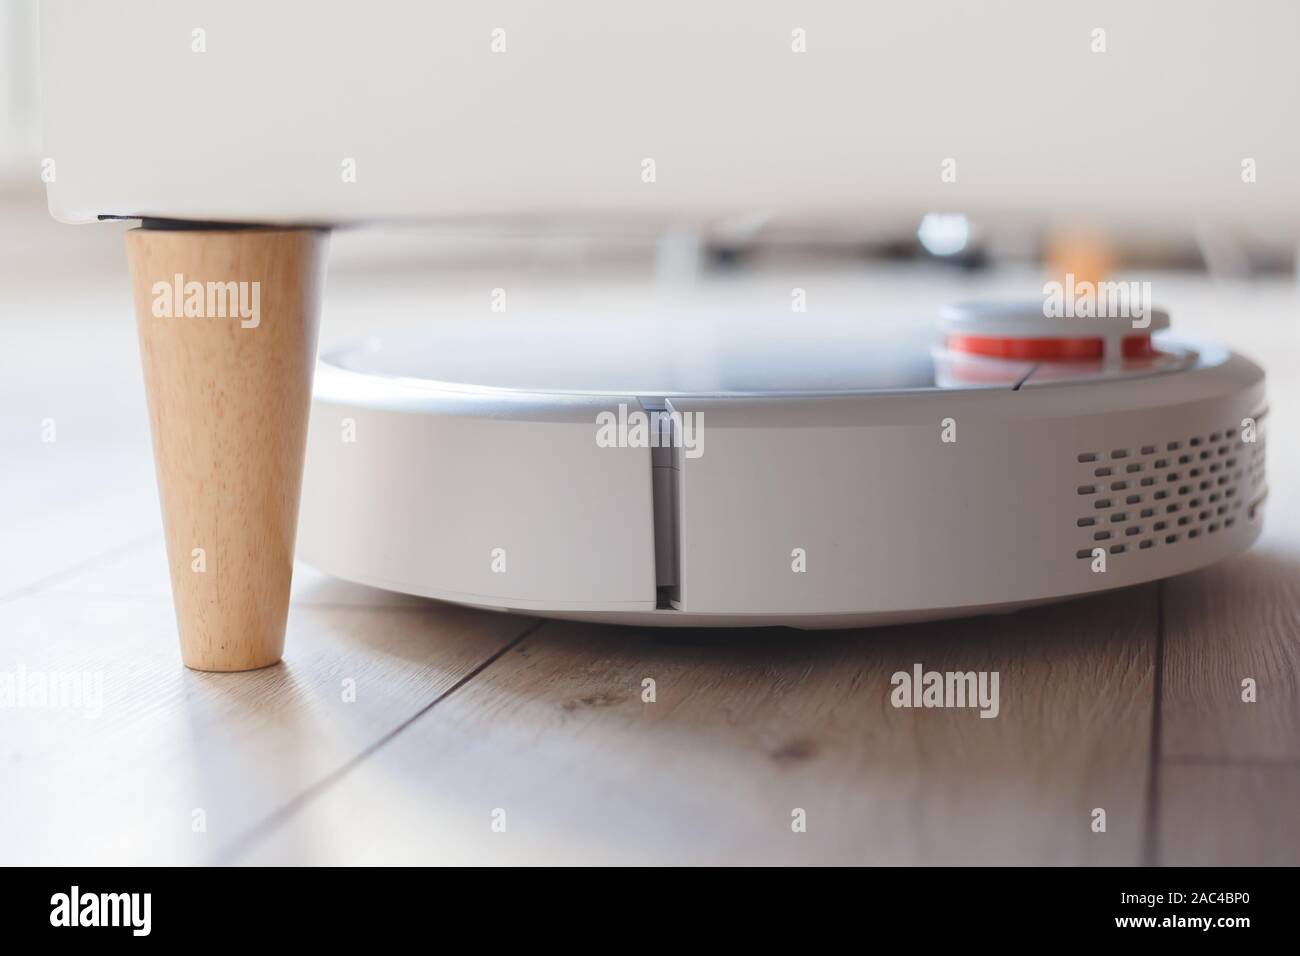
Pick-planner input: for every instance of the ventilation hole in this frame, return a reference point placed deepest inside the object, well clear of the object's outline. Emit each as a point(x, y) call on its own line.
point(1220, 466)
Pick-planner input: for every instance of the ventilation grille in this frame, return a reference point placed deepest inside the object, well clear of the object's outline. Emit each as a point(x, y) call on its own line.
point(1167, 494)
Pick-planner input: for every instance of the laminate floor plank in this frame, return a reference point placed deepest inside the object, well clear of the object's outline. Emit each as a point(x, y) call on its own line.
point(127, 773)
point(1230, 815)
point(749, 727)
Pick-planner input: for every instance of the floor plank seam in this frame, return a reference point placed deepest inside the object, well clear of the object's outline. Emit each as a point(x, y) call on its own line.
point(259, 831)
point(1151, 849)
point(45, 584)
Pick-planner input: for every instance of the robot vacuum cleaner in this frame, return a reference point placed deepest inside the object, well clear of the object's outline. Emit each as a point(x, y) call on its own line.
point(736, 470)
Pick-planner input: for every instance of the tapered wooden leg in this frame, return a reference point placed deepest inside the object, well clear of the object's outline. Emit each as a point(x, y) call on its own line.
point(227, 322)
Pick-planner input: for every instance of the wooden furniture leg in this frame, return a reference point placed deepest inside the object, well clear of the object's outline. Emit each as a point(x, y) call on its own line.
point(227, 321)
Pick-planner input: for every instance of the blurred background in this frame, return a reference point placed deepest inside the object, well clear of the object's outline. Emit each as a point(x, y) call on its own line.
point(1153, 103)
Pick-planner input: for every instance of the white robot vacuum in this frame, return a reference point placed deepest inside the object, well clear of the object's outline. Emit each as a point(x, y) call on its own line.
point(791, 470)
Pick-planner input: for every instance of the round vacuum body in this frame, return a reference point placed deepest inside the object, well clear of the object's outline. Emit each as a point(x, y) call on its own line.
point(742, 470)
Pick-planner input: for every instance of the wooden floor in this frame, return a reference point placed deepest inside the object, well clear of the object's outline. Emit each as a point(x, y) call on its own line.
point(398, 730)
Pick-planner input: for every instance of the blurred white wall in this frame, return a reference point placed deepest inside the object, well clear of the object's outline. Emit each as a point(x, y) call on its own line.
point(19, 117)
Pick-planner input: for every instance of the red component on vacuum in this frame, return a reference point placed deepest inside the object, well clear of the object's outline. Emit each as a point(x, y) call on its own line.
point(1139, 346)
point(1047, 349)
